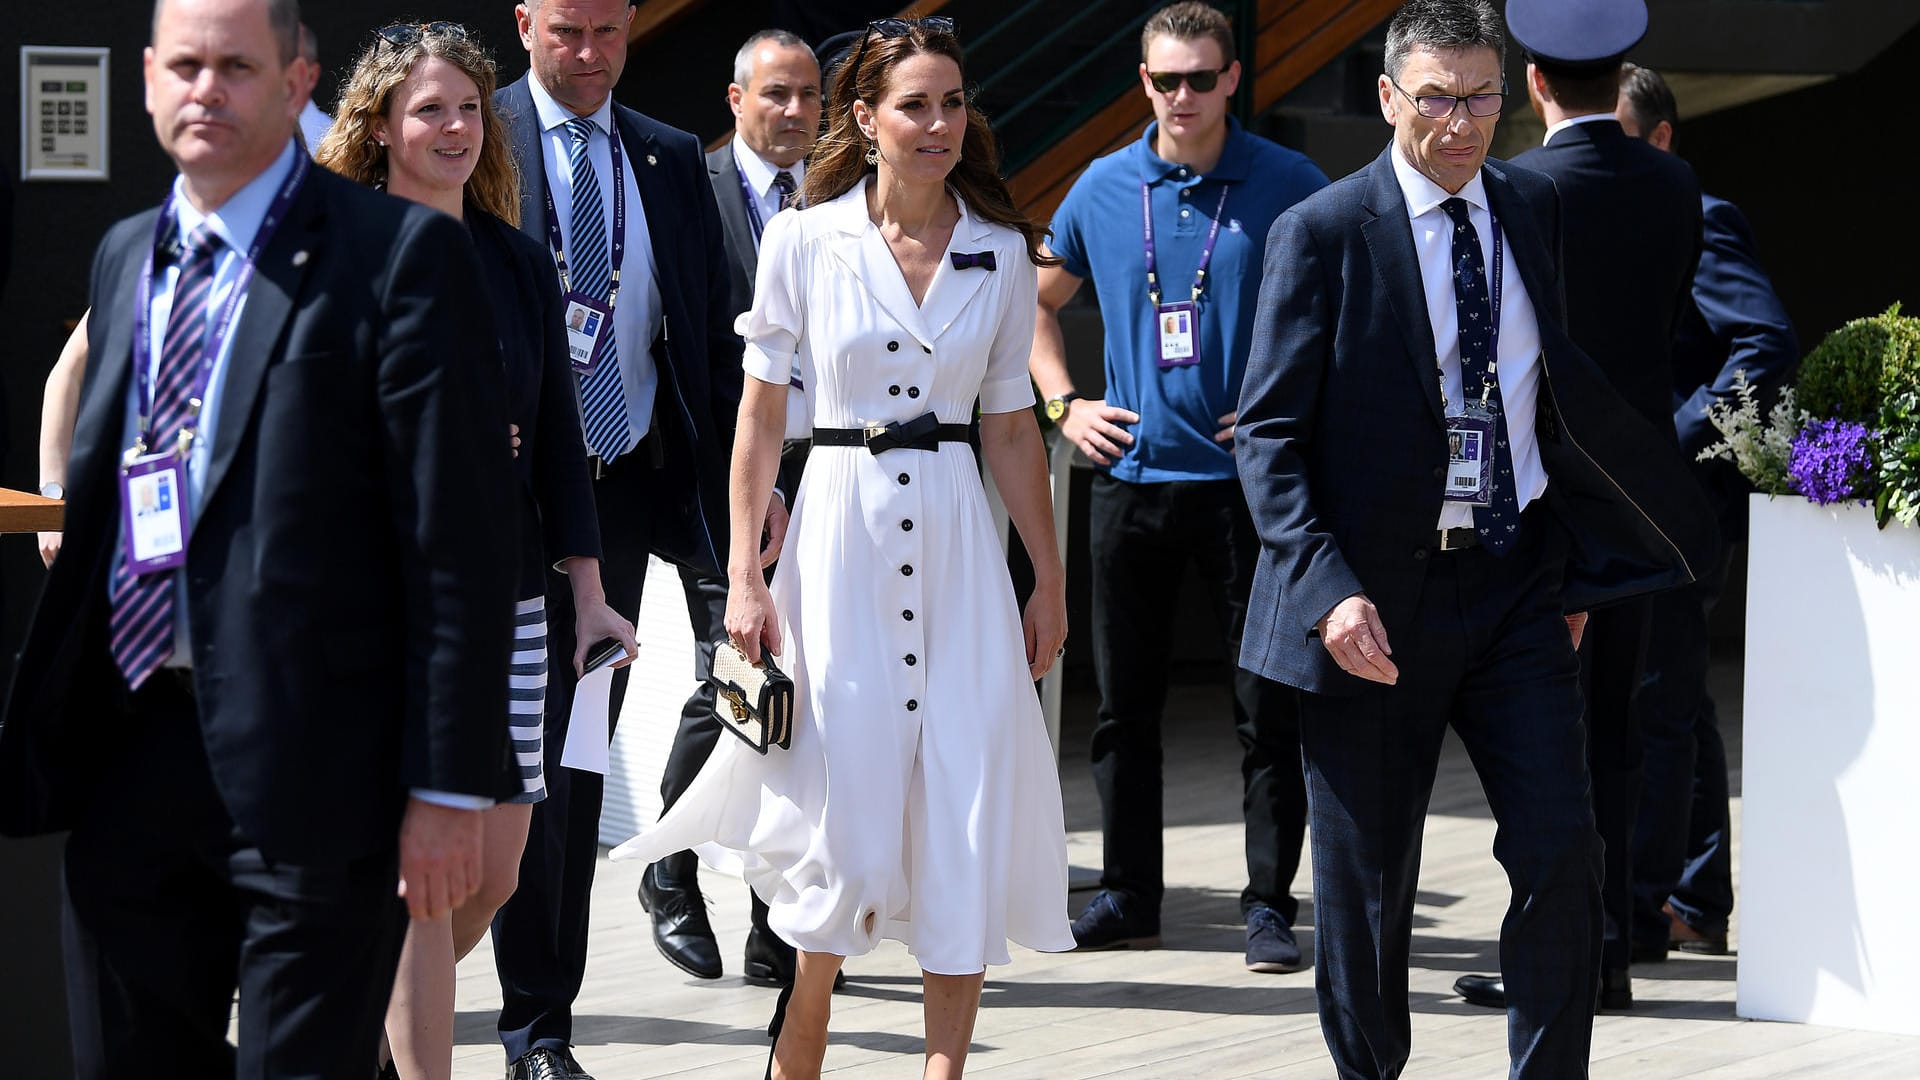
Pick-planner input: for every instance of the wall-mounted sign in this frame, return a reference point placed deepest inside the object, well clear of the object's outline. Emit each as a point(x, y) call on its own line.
point(63, 119)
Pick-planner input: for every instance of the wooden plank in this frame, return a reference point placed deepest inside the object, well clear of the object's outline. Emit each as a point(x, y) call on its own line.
point(22, 511)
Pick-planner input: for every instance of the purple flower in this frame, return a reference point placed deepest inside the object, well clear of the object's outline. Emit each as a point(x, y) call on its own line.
point(1832, 461)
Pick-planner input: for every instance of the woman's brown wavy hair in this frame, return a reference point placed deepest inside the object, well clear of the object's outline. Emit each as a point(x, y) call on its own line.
point(350, 150)
point(839, 159)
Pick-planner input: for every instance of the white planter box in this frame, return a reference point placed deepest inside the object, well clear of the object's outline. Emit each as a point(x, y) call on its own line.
point(1830, 838)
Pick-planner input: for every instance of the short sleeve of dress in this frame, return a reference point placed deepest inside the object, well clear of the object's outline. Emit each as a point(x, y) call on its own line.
point(1007, 386)
point(773, 325)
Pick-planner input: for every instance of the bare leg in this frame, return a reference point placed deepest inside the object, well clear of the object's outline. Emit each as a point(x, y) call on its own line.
point(952, 1003)
point(420, 1012)
point(802, 1046)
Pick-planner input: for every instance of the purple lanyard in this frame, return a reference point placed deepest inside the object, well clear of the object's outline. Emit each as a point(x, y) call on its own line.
point(1206, 252)
point(619, 251)
point(753, 211)
point(223, 321)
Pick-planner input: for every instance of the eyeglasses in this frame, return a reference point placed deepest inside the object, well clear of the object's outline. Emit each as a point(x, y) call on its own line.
point(1202, 82)
point(1441, 106)
point(893, 28)
point(401, 35)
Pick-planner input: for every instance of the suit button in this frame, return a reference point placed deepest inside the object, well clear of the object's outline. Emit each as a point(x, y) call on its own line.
point(1419, 554)
point(907, 525)
point(905, 479)
point(926, 350)
point(907, 614)
point(913, 391)
point(894, 390)
point(893, 346)
point(912, 659)
point(907, 570)
point(912, 705)
point(1439, 472)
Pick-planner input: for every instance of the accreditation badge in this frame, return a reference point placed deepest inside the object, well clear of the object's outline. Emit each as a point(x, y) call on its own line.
point(1470, 457)
point(153, 511)
point(1178, 328)
point(589, 322)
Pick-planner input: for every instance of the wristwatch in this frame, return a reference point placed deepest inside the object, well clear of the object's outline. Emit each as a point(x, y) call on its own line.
point(1057, 407)
point(53, 489)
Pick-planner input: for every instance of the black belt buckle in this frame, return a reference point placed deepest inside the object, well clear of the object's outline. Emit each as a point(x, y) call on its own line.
point(920, 433)
point(1457, 539)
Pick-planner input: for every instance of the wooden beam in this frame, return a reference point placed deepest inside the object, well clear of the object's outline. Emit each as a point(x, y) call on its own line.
point(654, 16)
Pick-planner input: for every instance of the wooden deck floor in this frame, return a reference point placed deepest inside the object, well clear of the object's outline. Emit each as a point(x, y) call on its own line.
point(1189, 1009)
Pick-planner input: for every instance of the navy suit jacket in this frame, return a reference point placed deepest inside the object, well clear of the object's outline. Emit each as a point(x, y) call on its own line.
point(349, 589)
point(1630, 216)
point(1341, 441)
point(698, 354)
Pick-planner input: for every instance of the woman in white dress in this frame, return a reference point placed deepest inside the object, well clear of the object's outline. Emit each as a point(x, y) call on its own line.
point(919, 800)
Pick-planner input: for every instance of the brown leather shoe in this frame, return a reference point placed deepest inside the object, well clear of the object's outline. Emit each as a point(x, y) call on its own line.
point(1686, 939)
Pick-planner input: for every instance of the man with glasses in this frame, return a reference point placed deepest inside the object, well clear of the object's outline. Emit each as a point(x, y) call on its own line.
point(1171, 230)
point(1632, 229)
point(1406, 586)
point(623, 203)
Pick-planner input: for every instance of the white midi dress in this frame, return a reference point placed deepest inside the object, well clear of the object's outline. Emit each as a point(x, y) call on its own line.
point(920, 799)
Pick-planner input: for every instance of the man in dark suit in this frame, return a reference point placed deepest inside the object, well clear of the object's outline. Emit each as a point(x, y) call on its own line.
point(1632, 236)
point(1734, 327)
point(658, 409)
point(775, 98)
point(1405, 589)
point(255, 718)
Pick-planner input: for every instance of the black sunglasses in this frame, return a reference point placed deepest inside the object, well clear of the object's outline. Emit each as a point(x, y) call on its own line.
point(893, 28)
point(1202, 82)
point(401, 35)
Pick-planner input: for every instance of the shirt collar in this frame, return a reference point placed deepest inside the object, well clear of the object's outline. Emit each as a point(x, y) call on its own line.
point(1424, 196)
point(553, 114)
point(1589, 118)
point(1231, 168)
point(237, 220)
point(759, 172)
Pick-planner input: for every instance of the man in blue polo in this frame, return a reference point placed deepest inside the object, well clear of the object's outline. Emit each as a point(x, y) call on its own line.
point(1172, 230)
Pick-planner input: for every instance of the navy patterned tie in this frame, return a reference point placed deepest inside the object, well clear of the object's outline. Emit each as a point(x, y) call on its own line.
point(1499, 522)
point(140, 628)
point(784, 181)
point(603, 400)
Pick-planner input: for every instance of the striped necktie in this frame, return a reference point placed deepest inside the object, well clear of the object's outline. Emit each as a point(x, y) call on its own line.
point(141, 625)
point(603, 400)
point(1498, 523)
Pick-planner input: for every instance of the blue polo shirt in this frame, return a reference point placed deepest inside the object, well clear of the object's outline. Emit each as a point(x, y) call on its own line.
point(1100, 233)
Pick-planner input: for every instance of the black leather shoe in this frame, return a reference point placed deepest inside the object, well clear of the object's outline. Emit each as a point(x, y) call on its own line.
point(1616, 990)
point(542, 1063)
point(1487, 990)
point(680, 928)
point(770, 961)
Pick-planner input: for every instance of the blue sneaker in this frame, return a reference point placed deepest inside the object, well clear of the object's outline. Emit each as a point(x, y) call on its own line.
point(1271, 948)
point(1107, 925)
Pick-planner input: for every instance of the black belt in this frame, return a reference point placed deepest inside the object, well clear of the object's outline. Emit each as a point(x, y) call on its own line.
point(1455, 539)
point(923, 432)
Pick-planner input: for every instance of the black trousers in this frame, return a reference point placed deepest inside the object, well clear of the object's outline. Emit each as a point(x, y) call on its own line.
point(1486, 651)
point(169, 911)
point(540, 935)
point(1613, 656)
point(1142, 538)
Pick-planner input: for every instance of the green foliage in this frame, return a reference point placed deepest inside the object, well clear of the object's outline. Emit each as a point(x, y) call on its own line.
point(1899, 464)
point(1853, 372)
point(1760, 449)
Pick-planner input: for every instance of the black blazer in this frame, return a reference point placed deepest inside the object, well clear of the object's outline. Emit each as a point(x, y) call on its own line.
point(1341, 444)
point(1631, 220)
point(523, 295)
point(698, 354)
point(348, 591)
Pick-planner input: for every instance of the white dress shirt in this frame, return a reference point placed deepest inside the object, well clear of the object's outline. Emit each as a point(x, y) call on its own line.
point(1562, 125)
point(1518, 361)
point(758, 172)
point(637, 315)
point(314, 125)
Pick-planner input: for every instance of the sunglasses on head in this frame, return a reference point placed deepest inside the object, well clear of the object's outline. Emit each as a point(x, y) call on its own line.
point(893, 28)
point(401, 35)
point(1202, 82)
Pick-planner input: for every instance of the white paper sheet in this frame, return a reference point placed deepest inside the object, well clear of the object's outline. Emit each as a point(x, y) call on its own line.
point(587, 733)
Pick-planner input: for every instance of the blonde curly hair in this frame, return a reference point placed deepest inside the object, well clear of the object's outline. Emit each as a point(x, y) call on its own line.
point(349, 147)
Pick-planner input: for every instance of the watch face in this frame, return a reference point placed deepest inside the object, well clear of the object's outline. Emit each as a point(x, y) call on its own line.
point(52, 490)
point(1056, 409)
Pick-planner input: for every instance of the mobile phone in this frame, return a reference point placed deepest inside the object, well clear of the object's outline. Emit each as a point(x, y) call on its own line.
point(604, 652)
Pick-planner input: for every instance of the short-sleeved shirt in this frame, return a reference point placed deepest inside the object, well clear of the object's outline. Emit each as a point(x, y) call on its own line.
point(1099, 230)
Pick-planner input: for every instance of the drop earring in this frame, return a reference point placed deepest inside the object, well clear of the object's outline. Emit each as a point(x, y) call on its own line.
point(873, 153)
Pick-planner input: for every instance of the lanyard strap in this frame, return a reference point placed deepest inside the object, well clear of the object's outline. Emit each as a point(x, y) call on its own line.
point(1493, 332)
point(618, 240)
point(1206, 252)
point(753, 210)
point(169, 223)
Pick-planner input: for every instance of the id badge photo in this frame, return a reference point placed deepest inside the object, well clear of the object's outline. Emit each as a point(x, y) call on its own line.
point(1470, 457)
point(1177, 326)
point(153, 509)
point(588, 324)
